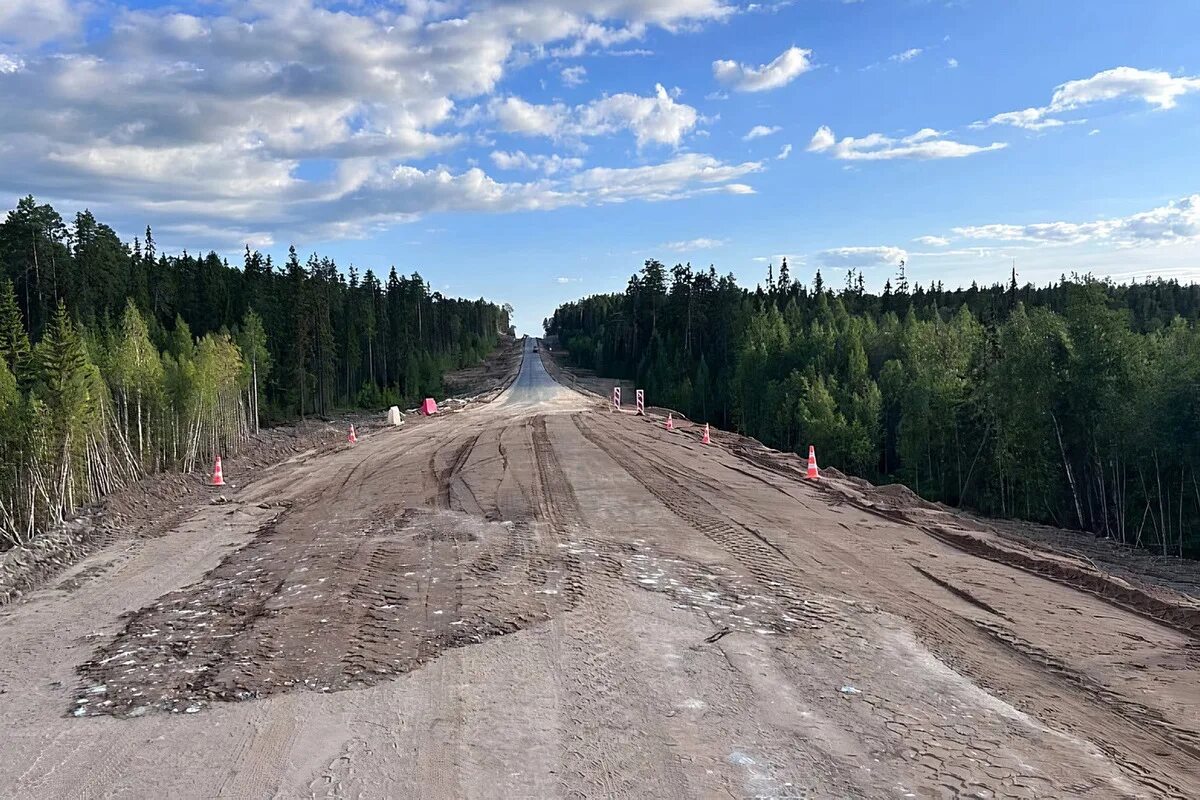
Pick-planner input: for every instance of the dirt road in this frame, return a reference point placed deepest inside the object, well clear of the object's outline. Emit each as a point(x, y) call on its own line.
point(539, 598)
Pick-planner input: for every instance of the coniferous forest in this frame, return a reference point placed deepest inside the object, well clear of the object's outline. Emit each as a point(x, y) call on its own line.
point(1075, 404)
point(117, 360)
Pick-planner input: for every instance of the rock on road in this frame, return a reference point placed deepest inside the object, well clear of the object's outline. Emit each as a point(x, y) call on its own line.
point(539, 598)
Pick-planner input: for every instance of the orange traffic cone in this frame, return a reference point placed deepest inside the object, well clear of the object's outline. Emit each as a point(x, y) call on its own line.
point(670, 423)
point(217, 479)
point(813, 474)
point(353, 439)
point(706, 439)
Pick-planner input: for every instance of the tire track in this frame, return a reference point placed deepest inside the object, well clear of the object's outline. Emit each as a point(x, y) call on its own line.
point(764, 561)
point(610, 749)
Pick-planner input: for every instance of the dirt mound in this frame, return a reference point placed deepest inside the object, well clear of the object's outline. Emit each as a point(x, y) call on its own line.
point(1165, 601)
point(154, 505)
point(1177, 611)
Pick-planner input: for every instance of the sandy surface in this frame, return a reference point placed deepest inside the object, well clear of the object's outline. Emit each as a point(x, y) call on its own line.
point(538, 598)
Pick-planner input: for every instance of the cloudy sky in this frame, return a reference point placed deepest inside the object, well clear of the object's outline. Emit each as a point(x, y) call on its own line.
point(535, 151)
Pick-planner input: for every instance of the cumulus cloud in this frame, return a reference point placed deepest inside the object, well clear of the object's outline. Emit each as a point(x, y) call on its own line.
point(952, 63)
point(784, 152)
point(548, 164)
point(691, 245)
point(574, 76)
point(1178, 221)
point(925, 144)
point(932, 241)
point(758, 131)
point(861, 257)
point(658, 119)
point(786, 67)
point(209, 120)
point(1155, 88)
point(907, 55)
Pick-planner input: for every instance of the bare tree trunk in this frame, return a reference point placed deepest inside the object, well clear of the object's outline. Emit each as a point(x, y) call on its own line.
point(1067, 466)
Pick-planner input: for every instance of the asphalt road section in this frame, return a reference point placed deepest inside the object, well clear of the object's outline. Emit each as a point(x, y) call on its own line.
point(538, 597)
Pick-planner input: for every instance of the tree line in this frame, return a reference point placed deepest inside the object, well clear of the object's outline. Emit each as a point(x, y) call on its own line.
point(117, 360)
point(1075, 404)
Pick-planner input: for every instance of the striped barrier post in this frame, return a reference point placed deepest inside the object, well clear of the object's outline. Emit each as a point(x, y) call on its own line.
point(641, 402)
point(616, 400)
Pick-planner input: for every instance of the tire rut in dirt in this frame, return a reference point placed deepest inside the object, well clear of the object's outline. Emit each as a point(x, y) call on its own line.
point(763, 560)
point(326, 605)
point(609, 748)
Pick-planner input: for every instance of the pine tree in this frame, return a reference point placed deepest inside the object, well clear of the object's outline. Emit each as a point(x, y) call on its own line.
point(14, 341)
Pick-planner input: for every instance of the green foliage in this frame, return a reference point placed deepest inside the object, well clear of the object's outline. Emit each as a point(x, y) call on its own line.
point(135, 369)
point(1074, 404)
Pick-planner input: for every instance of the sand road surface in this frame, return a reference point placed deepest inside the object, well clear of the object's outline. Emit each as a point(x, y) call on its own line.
point(540, 598)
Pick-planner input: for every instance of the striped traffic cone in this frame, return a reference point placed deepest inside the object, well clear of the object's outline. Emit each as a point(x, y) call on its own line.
point(813, 473)
point(352, 439)
point(217, 478)
point(706, 439)
point(670, 423)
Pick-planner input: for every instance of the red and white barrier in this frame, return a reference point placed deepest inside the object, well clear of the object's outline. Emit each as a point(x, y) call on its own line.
point(641, 402)
point(616, 399)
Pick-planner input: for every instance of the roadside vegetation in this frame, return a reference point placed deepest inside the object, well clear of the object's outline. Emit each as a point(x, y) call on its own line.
point(117, 360)
point(1075, 404)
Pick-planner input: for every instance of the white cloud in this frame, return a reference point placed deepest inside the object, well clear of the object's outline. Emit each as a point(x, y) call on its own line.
point(515, 115)
point(758, 131)
point(10, 64)
point(925, 144)
point(1153, 87)
point(691, 245)
point(548, 164)
point(1032, 119)
point(784, 152)
point(209, 121)
point(565, 280)
point(932, 241)
point(657, 119)
point(574, 76)
point(864, 257)
point(651, 119)
point(32, 22)
point(952, 63)
point(789, 65)
point(1178, 221)
point(907, 55)
point(685, 175)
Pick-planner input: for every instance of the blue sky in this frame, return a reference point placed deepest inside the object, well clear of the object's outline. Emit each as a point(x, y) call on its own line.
point(534, 152)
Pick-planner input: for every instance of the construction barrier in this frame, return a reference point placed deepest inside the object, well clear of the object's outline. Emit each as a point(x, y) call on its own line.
point(429, 407)
point(640, 396)
point(616, 398)
point(394, 417)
